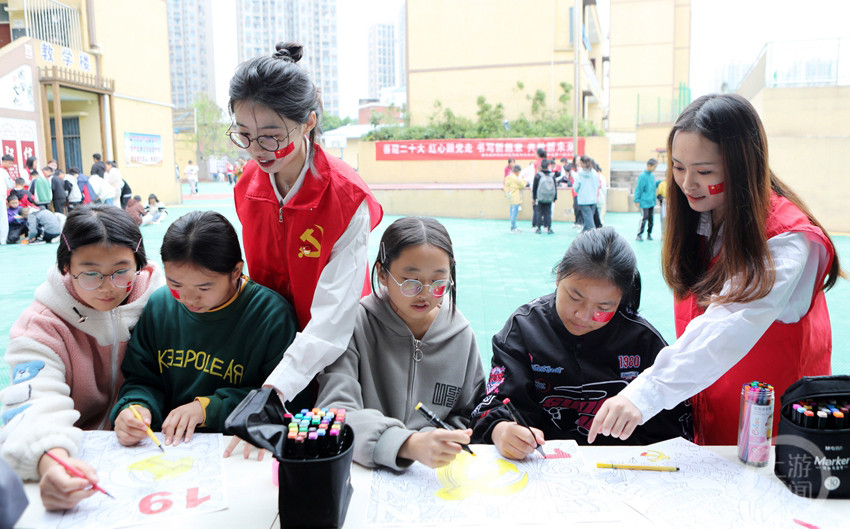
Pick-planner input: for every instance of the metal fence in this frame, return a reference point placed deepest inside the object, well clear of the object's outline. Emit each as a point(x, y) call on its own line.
point(662, 109)
point(53, 22)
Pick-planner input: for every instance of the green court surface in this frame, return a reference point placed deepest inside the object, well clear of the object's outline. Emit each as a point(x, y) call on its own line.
point(496, 271)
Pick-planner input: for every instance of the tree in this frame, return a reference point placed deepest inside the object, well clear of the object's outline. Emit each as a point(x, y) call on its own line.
point(331, 122)
point(210, 127)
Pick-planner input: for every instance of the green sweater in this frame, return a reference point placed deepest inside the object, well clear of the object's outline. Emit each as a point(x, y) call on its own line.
point(175, 355)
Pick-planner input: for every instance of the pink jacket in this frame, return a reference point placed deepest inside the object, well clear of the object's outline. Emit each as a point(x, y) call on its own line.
point(65, 368)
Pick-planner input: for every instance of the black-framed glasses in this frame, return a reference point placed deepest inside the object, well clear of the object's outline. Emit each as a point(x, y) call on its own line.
point(267, 143)
point(93, 280)
point(412, 287)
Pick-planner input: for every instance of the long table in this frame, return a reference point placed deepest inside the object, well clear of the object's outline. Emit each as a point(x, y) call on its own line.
point(253, 496)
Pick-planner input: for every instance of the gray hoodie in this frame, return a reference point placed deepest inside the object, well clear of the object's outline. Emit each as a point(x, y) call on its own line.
point(385, 372)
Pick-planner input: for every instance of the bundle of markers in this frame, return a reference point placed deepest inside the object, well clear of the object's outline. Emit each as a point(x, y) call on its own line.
point(755, 423)
point(314, 434)
point(820, 414)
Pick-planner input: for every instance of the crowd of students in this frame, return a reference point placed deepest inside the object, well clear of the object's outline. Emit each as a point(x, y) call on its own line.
point(583, 177)
point(746, 260)
point(35, 208)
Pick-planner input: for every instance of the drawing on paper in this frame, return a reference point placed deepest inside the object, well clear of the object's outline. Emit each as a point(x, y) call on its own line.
point(148, 485)
point(468, 475)
point(654, 456)
point(160, 468)
point(488, 489)
point(708, 491)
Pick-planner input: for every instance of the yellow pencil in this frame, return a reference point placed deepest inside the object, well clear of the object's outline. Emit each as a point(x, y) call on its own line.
point(657, 468)
point(150, 432)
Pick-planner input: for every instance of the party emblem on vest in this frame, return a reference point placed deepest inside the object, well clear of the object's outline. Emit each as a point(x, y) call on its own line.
point(312, 246)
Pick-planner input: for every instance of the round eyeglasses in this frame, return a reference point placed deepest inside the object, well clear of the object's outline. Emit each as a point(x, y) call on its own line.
point(412, 287)
point(93, 280)
point(267, 143)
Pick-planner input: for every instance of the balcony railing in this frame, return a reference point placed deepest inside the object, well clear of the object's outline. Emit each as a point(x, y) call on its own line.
point(76, 78)
point(53, 22)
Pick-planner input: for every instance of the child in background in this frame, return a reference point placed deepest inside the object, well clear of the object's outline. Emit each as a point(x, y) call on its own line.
point(408, 346)
point(155, 212)
point(513, 188)
point(17, 221)
point(65, 349)
point(136, 209)
point(559, 357)
point(204, 341)
point(748, 265)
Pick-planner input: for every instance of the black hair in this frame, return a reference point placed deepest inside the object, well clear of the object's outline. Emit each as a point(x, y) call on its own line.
point(586, 159)
point(652, 161)
point(74, 170)
point(541, 152)
point(96, 156)
point(411, 231)
point(30, 163)
point(99, 224)
point(203, 238)
point(8, 158)
point(511, 160)
point(137, 198)
point(152, 196)
point(20, 181)
point(602, 253)
point(516, 168)
point(277, 82)
point(112, 163)
point(544, 165)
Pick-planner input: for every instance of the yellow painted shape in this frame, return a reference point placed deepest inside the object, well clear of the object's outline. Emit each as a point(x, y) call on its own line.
point(163, 469)
point(467, 476)
point(655, 455)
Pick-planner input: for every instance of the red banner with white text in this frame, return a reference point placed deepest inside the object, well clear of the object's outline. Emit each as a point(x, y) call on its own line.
point(477, 149)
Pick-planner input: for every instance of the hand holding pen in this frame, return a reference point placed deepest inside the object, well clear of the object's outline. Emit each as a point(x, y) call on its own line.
point(513, 440)
point(438, 423)
point(65, 481)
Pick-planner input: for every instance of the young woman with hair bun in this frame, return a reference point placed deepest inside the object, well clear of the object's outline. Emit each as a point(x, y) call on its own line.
point(306, 216)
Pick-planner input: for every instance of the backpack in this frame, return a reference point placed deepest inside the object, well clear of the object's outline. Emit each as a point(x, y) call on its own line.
point(546, 188)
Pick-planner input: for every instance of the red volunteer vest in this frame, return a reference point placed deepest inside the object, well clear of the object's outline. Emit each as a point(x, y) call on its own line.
point(286, 248)
point(785, 352)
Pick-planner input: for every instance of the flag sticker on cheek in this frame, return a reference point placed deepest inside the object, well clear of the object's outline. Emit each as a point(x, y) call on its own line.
point(175, 294)
point(280, 153)
point(716, 189)
point(602, 317)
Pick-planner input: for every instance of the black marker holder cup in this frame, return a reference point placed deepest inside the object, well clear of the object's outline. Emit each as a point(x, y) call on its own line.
point(322, 484)
point(813, 460)
point(313, 492)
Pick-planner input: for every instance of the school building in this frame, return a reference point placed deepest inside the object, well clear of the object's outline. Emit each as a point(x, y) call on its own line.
point(80, 77)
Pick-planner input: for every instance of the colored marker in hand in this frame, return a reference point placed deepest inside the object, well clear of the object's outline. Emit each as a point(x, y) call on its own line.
point(138, 415)
point(75, 472)
point(520, 421)
point(438, 423)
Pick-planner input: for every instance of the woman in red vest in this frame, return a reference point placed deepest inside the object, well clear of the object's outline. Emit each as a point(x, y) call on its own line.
point(305, 216)
point(748, 265)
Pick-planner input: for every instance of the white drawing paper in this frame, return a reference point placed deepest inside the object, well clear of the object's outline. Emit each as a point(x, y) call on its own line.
point(709, 491)
point(487, 489)
point(149, 486)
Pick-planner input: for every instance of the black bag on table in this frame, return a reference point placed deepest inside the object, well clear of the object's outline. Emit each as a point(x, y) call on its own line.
point(814, 461)
point(324, 483)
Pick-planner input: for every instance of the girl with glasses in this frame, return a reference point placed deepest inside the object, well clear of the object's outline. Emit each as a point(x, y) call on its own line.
point(410, 345)
point(204, 341)
point(559, 357)
point(305, 216)
point(66, 349)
